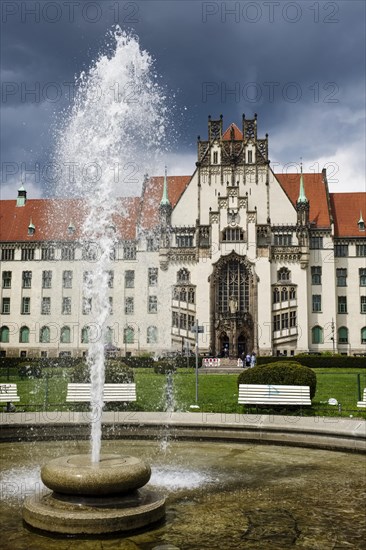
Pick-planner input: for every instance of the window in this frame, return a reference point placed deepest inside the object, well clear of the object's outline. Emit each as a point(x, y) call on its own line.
point(46, 279)
point(129, 279)
point(153, 276)
point(317, 303)
point(362, 274)
point(88, 279)
point(184, 241)
point(90, 252)
point(292, 293)
point(153, 304)
point(191, 295)
point(317, 335)
point(4, 335)
point(293, 319)
point(129, 251)
point(67, 279)
point(215, 157)
point(183, 275)
point(183, 321)
point(86, 306)
point(85, 335)
point(108, 336)
point(183, 295)
point(363, 304)
point(250, 157)
point(27, 279)
point(341, 250)
point(316, 275)
point(283, 274)
point(276, 322)
point(129, 305)
point(67, 253)
point(66, 306)
point(27, 254)
point(152, 244)
point(110, 275)
point(191, 321)
point(175, 319)
point(363, 335)
point(360, 250)
point(284, 320)
point(7, 254)
point(110, 305)
point(128, 335)
point(152, 335)
point(341, 275)
point(46, 306)
point(25, 306)
point(44, 335)
point(24, 335)
point(5, 306)
point(276, 295)
point(65, 336)
point(283, 239)
point(316, 243)
point(48, 253)
point(6, 279)
point(233, 234)
point(342, 304)
point(284, 294)
point(343, 335)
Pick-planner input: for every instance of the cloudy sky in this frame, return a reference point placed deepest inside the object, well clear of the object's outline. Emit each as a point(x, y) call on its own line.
point(299, 65)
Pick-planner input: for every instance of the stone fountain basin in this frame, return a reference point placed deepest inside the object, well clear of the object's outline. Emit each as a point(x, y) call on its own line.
point(78, 475)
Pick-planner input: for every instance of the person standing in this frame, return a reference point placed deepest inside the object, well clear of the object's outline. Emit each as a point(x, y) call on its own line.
point(253, 360)
point(247, 360)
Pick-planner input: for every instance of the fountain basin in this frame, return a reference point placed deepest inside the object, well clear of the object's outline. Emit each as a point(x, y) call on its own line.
point(77, 475)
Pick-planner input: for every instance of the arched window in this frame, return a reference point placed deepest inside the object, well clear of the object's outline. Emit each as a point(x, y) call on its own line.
point(283, 274)
point(284, 294)
point(44, 335)
point(152, 335)
point(363, 335)
point(233, 285)
point(183, 275)
point(24, 335)
point(292, 293)
point(276, 295)
point(85, 335)
point(128, 335)
point(317, 335)
point(65, 337)
point(108, 337)
point(4, 335)
point(343, 335)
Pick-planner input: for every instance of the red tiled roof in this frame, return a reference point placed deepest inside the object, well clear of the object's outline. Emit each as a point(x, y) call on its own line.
point(238, 135)
point(315, 191)
point(346, 210)
point(51, 218)
point(152, 195)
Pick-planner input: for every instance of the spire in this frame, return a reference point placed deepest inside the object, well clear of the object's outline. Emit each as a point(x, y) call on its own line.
point(165, 200)
point(302, 197)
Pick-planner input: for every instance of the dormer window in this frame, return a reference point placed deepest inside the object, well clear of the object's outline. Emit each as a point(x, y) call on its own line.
point(361, 223)
point(31, 228)
point(71, 228)
point(250, 157)
point(283, 274)
point(215, 157)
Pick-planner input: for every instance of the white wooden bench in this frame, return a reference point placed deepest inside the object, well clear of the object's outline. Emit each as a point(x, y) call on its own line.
point(112, 392)
point(363, 402)
point(8, 393)
point(263, 394)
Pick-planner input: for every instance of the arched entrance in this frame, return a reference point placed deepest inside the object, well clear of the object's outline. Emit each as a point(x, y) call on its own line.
point(242, 344)
point(224, 345)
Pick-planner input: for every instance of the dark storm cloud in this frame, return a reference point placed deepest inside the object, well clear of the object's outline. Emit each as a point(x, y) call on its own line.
point(299, 65)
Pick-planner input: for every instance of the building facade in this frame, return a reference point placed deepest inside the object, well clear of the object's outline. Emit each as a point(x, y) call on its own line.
point(264, 262)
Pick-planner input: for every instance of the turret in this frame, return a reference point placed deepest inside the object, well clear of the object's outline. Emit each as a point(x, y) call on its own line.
point(22, 196)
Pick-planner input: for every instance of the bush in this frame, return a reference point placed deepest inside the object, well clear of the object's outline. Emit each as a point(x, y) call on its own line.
point(319, 361)
point(116, 372)
point(29, 371)
point(164, 367)
point(289, 373)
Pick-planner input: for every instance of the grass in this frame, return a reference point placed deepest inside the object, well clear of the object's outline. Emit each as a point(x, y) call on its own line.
point(216, 392)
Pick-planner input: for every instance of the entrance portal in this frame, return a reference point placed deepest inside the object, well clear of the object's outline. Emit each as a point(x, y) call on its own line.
point(224, 345)
point(242, 345)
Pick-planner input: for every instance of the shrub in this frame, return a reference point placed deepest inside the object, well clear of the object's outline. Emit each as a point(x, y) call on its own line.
point(29, 371)
point(319, 361)
point(289, 373)
point(116, 372)
point(164, 367)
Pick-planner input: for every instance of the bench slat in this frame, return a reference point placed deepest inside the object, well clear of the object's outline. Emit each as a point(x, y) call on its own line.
point(111, 392)
point(8, 392)
point(363, 402)
point(262, 394)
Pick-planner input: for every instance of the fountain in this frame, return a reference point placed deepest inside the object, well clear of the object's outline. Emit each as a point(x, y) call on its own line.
point(118, 119)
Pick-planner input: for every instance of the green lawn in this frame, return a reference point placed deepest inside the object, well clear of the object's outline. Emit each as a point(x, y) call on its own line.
point(216, 392)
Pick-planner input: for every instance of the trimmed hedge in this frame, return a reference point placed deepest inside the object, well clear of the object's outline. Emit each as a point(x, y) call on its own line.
point(164, 367)
point(288, 373)
point(319, 361)
point(116, 372)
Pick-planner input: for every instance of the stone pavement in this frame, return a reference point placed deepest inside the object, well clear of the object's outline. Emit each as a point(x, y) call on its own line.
point(337, 433)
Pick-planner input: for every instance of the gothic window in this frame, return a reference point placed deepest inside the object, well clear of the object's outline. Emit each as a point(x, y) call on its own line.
point(284, 320)
point(184, 241)
point(27, 254)
point(341, 250)
point(44, 335)
point(175, 319)
point(183, 321)
point(316, 243)
point(85, 335)
point(283, 239)
point(233, 234)
point(293, 319)
point(317, 335)
point(6, 279)
point(316, 275)
point(24, 335)
point(343, 335)
point(284, 294)
point(67, 253)
point(183, 295)
point(292, 293)
point(276, 322)
point(276, 295)
point(4, 335)
point(233, 284)
point(363, 335)
point(191, 295)
point(283, 274)
point(183, 275)
point(360, 250)
point(48, 253)
point(7, 254)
